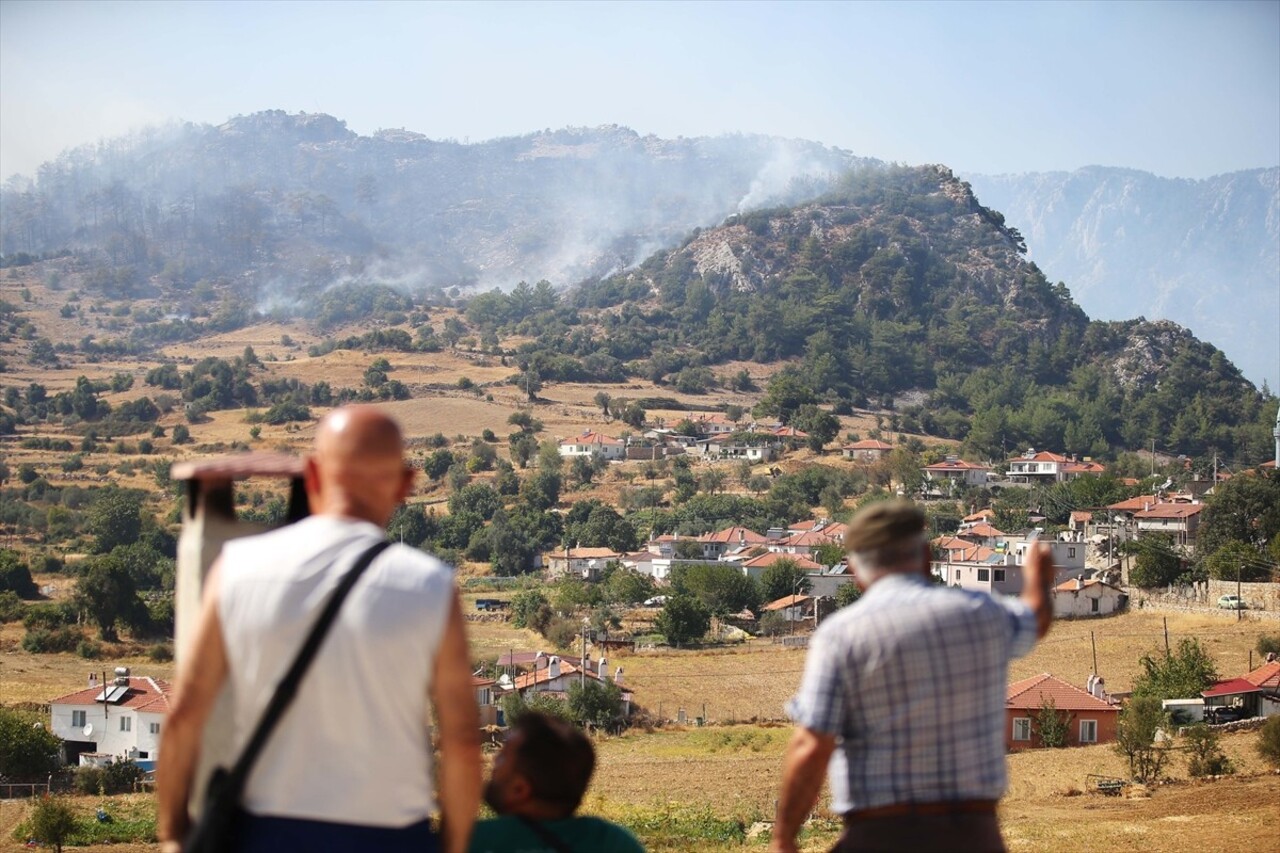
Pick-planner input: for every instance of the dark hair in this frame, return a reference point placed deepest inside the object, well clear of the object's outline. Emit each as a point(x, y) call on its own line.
point(556, 759)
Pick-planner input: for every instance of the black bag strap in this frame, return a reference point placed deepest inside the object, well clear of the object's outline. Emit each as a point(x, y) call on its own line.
point(547, 837)
point(287, 689)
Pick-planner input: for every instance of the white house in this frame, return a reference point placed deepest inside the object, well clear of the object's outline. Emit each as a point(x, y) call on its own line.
point(121, 717)
point(956, 471)
point(1079, 597)
point(1046, 467)
point(1179, 520)
point(593, 443)
point(554, 675)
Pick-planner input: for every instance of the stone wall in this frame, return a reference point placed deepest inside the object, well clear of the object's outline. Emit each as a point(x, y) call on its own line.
point(1259, 596)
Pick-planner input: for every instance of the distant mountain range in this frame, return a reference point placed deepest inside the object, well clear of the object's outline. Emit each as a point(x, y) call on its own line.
point(272, 203)
point(1205, 254)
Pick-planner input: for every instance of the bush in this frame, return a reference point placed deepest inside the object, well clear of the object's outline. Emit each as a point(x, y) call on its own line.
point(1269, 644)
point(117, 777)
point(1204, 753)
point(160, 653)
point(89, 649)
point(562, 633)
point(52, 821)
point(1269, 741)
point(44, 641)
point(11, 607)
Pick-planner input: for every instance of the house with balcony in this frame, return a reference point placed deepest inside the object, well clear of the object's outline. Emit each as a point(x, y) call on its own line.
point(585, 563)
point(953, 473)
point(1045, 467)
point(1181, 521)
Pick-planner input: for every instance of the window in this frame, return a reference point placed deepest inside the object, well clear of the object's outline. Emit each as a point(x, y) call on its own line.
point(1071, 552)
point(154, 728)
point(984, 574)
point(999, 575)
point(77, 719)
point(957, 574)
point(1093, 605)
point(1088, 731)
point(1022, 728)
point(126, 724)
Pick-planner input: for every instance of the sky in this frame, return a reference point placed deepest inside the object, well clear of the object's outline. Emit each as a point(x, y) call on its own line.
point(1181, 89)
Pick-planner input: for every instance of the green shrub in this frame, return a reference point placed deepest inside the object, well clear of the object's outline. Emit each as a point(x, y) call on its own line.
point(160, 653)
point(52, 821)
point(44, 641)
point(1269, 741)
point(89, 649)
point(11, 607)
point(1269, 644)
point(89, 780)
point(46, 616)
point(1204, 753)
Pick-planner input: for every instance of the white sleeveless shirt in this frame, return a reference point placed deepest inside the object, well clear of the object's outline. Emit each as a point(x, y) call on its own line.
point(354, 745)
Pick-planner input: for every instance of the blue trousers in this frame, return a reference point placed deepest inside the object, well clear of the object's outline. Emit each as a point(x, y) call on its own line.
point(261, 834)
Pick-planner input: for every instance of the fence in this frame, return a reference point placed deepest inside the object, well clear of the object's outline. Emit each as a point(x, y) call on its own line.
point(23, 790)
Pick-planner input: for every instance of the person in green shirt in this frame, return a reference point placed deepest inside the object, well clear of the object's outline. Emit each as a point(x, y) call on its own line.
point(537, 783)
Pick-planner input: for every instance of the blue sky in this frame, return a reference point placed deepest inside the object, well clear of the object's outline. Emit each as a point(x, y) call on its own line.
point(1182, 89)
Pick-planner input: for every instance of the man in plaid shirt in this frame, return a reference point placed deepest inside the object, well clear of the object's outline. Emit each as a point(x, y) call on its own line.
point(902, 699)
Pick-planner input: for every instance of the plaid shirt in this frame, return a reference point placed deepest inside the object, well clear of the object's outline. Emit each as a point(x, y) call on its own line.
point(911, 681)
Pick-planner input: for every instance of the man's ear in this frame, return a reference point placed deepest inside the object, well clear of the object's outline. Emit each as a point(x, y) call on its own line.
point(518, 790)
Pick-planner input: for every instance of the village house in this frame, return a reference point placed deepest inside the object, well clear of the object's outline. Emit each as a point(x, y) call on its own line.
point(998, 569)
point(592, 444)
point(552, 675)
point(867, 451)
point(486, 700)
point(1254, 694)
point(1045, 467)
point(1083, 598)
point(1181, 521)
point(1090, 719)
point(725, 448)
point(793, 608)
point(585, 563)
point(953, 472)
point(117, 718)
point(716, 545)
point(716, 424)
point(755, 566)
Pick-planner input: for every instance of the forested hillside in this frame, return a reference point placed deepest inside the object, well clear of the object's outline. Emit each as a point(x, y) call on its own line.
point(1205, 253)
point(900, 288)
point(275, 204)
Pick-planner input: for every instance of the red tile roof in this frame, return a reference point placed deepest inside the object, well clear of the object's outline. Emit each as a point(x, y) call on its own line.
point(145, 694)
point(1266, 676)
point(981, 515)
point(1230, 687)
point(1081, 515)
point(772, 557)
point(785, 602)
point(868, 444)
point(1030, 694)
point(734, 535)
point(591, 437)
point(789, 432)
point(955, 465)
point(585, 554)
point(1137, 504)
point(983, 529)
point(1170, 511)
point(1070, 586)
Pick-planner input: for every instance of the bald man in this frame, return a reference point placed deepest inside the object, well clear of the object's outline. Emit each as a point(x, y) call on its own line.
point(349, 767)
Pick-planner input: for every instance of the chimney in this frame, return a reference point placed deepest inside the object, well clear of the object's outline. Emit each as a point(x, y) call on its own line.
point(93, 679)
point(617, 675)
point(1079, 582)
point(603, 669)
point(553, 667)
point(1098, 690)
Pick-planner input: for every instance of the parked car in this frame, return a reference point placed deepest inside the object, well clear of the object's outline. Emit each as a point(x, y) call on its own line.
point(656, 601)
point(1225, 714)
point(1232, 602)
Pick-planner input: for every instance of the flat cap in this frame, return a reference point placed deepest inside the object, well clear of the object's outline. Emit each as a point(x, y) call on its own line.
point(884, 523)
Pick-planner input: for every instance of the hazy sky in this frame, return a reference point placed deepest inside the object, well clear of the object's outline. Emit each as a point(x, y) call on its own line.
point(1182, 89)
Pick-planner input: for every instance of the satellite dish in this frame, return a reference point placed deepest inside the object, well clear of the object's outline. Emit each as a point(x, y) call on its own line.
point(88, 729)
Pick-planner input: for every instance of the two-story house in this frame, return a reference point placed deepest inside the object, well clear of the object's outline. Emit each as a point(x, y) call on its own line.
point(119, 717)
point(954, 472)
point(1046, 467)
point(1181, 521)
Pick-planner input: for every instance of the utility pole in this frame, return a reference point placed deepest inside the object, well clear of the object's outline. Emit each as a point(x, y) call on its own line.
point(582, 673)
point(1095, 653)
point(1239, 603)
